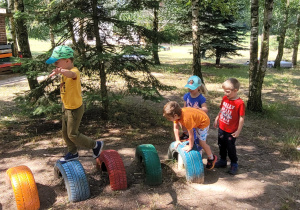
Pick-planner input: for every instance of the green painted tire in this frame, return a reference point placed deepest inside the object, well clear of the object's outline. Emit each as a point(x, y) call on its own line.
point(146, 156)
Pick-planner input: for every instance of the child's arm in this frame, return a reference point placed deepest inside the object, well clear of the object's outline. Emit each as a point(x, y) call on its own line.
point(217, 120)
point(204, 107)
point(184, 105)
point(176, 133)
point(238, 131)
point(189, 147)
point(65, 72)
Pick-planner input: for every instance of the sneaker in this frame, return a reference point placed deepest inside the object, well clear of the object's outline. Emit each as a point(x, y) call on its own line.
point(68, 157)
point(98, 149)
point(184, 136)
point(211, 163)
point(233, 169)
point(221, 163)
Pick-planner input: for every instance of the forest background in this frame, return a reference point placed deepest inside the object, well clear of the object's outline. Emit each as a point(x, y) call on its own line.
point(119, 91)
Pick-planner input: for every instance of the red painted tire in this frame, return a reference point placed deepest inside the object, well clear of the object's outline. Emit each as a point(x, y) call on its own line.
point(24, 187)
point(110, 161)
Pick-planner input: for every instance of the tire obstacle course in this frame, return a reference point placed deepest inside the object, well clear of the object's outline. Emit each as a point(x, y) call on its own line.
point(192, 161)
point(146, 156)
point(110, 161)
point(76, 181)
point(24, 187)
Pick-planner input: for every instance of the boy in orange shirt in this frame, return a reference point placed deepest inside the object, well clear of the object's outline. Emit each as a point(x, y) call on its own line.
point(196, 122)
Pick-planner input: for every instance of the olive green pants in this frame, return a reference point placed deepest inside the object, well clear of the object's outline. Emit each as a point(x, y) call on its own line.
point(71, 119)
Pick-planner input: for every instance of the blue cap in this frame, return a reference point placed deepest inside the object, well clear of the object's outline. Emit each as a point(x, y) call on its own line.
point(193, 83)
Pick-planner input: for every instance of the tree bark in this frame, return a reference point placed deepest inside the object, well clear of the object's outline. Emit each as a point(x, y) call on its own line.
point(52, 37)
point(22, 36)
point(296, 41)
point(257, 71)
point(10, 6)
point(282, 36)
point(218, 57)
point(100, 50)
point(155, 40)
point(196, 39)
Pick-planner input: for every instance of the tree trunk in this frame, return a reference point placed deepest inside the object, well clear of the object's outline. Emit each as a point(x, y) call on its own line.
point(22, 36)
point(282, 36)
point(218, 57)
point(102, 73)
point(52, 37)
point(71, 30)
point(296, 41)
point(10, 6)
point(155, 40)
point(257, 71)
point(196, 39)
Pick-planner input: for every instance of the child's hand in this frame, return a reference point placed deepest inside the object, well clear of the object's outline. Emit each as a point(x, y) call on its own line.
point(177, 143)
point(235, 134)
point(187, 148)
point(216, 123)
point(55, 71)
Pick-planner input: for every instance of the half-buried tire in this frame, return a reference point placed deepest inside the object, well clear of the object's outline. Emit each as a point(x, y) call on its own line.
point(192, 161)
point(24, 187)
point(111, 162)
point(146, 156)
point(74, 178)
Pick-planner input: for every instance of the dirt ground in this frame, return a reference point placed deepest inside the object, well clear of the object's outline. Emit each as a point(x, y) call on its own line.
point(265, 179)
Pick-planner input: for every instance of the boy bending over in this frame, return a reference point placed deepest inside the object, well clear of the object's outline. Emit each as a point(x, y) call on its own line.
point(196, 122)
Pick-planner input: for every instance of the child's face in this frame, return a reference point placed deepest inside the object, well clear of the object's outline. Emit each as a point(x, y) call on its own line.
point(230, 93)
point(172, 118)
point(63, 63)
point(194, 91)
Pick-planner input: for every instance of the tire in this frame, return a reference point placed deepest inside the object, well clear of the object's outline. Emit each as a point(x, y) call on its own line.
point(146, 156)
point(75, 179)
point(24, 187)
point(110, 161)
point(192, 161)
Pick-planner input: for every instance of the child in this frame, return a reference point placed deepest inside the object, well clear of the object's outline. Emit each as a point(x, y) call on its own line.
point(195, 121)
point(194, 98)
point(231, 121)
point(72, 109)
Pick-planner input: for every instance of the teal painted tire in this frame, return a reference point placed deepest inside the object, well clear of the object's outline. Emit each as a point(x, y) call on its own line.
point(146, 156)
point(74, 178)
point(192, 161)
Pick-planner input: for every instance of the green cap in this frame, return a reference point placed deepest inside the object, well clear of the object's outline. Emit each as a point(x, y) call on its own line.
point(60, 52)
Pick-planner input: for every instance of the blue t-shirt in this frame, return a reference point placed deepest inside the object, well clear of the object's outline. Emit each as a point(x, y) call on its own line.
point(194, 102)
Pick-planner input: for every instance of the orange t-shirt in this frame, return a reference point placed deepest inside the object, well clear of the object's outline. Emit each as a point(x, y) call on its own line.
point(193, 118)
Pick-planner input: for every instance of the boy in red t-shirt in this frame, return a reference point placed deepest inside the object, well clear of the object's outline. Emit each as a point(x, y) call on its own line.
point(196, 122)
point(231, 120)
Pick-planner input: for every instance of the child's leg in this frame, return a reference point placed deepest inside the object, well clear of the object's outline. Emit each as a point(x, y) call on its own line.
point(231, 149)
point(202, 135)
point(73, 122)
point(70, 145)
point(222, 142)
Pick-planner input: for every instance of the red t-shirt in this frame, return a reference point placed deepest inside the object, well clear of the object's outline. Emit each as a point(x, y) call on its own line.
point(230, 113)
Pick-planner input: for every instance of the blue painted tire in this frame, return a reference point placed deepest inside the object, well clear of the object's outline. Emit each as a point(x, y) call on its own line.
point(192, 161)
point(146, 155)
point(75, 179)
